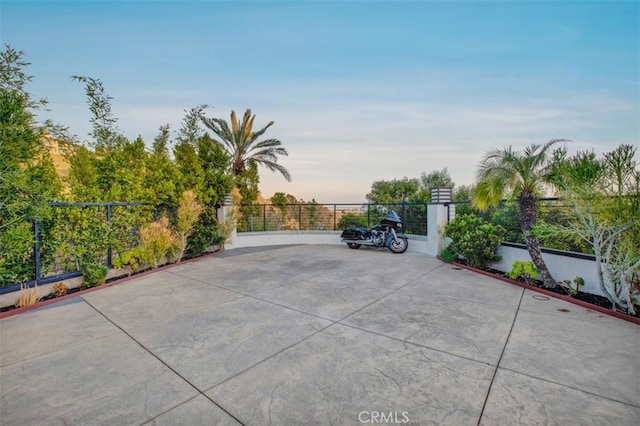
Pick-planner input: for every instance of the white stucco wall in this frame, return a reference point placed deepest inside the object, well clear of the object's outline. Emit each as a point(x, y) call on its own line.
point(560, 267)
point(417, 243)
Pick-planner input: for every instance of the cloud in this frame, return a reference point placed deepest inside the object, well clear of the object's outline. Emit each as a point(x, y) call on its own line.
point(342, 135)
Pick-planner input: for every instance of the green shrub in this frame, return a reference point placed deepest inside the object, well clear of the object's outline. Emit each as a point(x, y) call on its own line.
point(352, 219)
point(524, 269)
point(156, 239)
point(507, 216)
point(134, 257)
point(205, 233)
point(93, 274)
point(446, 255)
point(474, 240)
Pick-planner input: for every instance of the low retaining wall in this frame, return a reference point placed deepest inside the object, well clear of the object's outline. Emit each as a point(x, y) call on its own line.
point(562, 265)
point(417, 243)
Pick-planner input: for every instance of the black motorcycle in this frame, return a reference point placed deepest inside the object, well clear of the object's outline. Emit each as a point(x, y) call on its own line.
point(384, 234)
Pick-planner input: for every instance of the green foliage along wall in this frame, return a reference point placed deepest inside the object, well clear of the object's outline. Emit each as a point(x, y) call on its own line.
point(27, 175)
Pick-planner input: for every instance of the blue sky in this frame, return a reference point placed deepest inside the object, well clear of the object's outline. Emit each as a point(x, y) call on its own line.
point(359, 90)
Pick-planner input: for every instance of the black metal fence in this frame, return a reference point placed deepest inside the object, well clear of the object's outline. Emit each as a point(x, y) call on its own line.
point(102, 231)
point(77, 231)
point(551, 211)
point(314, 216)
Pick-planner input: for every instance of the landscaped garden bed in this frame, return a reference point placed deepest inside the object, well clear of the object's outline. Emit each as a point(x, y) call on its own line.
point(586, 300)
point(116, 279)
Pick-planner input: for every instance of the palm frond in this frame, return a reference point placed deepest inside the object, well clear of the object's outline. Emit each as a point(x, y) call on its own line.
point(241, 143)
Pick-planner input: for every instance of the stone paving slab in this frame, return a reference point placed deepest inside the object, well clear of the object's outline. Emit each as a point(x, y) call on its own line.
point(156, 297)
point(209, 346)
point(340, 374)
point(454, 282)
point(51, 329)
point(380, 268)
point(107, 381)
point(600, 356)
point(325, 297)
point(516, 399)
point(197, 411)
point(246, 278)
point(452, 325)
point(561, 310)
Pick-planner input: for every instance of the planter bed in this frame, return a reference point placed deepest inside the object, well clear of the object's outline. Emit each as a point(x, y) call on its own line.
point(79, 291)
point(585, 300)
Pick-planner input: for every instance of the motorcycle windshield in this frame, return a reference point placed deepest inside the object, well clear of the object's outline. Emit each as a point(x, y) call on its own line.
point(392, 216)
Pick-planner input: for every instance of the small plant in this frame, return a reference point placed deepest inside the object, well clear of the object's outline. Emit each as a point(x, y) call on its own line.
point(525, 270)
point(446, 255)
point(156, 239)
point(133, 257)
point(93, 274)
point(27, 296)
point(59, 289)
point(569, 288)
point(188, 213)
point(226, 228)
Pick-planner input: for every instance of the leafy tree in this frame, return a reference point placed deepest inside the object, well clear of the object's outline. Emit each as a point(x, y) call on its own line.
point(463, 193)
point(162, 179)
point(247, 183)
point(243, 146)
point(521, 175)
point(105, 132)
point(83, 174)
point(189, 167)
point(216, 181)
point(190, 131)
point(312, 214)
point(122, 171)
point(27, 175)
point(605, 196)
point(411, 190)
point(435, 179)
point(280, 201)
point(352, 219)
point(394, 191)
point(212, 184)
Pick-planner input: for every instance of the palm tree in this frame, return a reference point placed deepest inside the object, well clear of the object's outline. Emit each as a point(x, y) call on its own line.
point(522, 175)
point(241, 143)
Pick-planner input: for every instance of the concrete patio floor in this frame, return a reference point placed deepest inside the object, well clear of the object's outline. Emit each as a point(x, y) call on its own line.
point(317, 335)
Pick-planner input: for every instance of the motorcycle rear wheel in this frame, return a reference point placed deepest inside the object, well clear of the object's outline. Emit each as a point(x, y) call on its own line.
point(354, 245)
point(399, 245)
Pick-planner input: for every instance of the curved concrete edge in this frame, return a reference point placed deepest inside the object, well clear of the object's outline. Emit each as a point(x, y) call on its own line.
point(417, 243)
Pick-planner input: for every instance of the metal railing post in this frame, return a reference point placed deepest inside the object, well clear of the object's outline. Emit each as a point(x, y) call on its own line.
point(335, 214)
point(109, 249)
point(404, 212)
point(36, 232)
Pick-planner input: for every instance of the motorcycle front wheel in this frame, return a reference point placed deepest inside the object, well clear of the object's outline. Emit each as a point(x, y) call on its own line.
point(399, 245)
point(354, 245)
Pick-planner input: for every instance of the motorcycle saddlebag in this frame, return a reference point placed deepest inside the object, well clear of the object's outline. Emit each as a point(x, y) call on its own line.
point(352, 233)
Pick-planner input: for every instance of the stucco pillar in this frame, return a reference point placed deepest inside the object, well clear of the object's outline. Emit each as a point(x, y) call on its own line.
point(224, 213)
point(437, 218)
